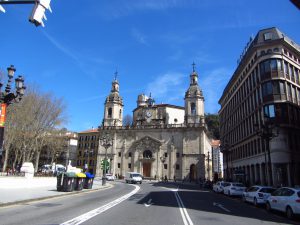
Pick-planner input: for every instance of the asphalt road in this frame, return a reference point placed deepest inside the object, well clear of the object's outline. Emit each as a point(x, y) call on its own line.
point(147, 204)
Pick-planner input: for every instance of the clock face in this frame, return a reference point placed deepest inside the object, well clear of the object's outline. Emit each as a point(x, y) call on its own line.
point(148, 114)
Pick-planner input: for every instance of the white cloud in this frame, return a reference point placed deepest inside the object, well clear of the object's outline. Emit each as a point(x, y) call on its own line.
point(124, 8)
point(137, 35)
point(167, 88)
point(213, 85)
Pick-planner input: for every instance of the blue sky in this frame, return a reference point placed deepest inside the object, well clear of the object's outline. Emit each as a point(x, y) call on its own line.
point(151, 43)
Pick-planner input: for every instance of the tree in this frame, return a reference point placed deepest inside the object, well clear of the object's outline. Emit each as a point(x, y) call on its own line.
point(213, 124)
point(28, 124)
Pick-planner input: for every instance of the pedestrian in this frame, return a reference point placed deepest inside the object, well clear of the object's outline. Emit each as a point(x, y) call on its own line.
point(174, 179)
point(166, 178)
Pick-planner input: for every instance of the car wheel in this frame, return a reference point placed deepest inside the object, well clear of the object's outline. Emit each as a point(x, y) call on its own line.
point(229, 193)
point(289, 212)
point(244, 198)
point(255, 202)
point(141, 182)
point(268, 207)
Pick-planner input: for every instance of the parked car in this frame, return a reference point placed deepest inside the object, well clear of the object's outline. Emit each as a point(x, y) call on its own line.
point(110, 177)
point(257, 194)
point(286, 200)
point(219, 186)
point(233, 188)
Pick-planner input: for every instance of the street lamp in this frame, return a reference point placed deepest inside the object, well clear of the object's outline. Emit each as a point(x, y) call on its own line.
point(7, 97)
point(162, 159)
point(266, 133)
point(106, 142)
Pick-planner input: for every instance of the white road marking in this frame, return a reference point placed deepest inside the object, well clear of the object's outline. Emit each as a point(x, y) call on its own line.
point(149, 203)
point(84, 217)
point(184, 214)
point(221, 206)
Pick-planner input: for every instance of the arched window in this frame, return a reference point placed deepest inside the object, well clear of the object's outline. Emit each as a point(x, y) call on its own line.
point(193, 108)
point(120, 113)
point(147, 154)
point(109, 112)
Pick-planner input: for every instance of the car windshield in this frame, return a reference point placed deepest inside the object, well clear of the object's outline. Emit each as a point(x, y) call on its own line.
point(136, 175)
point(237, 185)
point(267, 190)
point(225, 184)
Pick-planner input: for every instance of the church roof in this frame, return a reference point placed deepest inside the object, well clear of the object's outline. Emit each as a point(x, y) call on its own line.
point(161, 106)
point(93, 130)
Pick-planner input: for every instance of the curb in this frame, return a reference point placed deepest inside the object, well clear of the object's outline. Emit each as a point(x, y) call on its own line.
point(55, 196)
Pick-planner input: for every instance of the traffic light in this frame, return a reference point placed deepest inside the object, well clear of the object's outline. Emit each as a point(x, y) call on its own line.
point(104, 164)
point(38, 12)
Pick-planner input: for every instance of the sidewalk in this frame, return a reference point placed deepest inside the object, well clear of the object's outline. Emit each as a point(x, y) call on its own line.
point(19, 189)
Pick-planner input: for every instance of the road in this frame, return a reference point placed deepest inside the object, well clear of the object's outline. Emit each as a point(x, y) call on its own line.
point(147, 204)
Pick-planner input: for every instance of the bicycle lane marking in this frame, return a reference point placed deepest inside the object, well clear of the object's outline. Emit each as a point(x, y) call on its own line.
point(86, 216)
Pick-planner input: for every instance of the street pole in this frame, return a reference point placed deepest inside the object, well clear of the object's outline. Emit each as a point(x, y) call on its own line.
point(7, 98)
point(105, 141)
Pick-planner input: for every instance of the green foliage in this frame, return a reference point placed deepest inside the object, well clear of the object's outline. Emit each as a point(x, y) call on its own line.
point(213, 124)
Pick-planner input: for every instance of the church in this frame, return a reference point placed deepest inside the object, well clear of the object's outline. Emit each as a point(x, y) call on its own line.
point(163, 141)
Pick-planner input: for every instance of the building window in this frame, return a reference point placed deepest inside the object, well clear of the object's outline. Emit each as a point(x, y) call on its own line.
point(119, 154)
point(267, 89)
point(269, 111)
point(177, 154)
point(193, 108)
point(120, 114)
point(129, 154)
point(109, 113)
point(129, 165)
point(165, 166)
point(166, 154)
point(177, 167)
point(268, 36)
point(119, 165)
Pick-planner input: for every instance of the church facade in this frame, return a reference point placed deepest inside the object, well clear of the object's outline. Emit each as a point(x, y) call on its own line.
point(163, 140)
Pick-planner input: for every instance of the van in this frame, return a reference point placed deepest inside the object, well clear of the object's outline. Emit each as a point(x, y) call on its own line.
point(133, 177)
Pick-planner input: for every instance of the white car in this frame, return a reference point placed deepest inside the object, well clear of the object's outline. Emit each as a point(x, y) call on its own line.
point(219, 186)
point(233, 188)
point(257, 194)
point(286, 200)
point(110, 177)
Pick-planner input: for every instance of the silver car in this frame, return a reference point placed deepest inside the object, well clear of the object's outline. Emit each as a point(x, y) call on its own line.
point(286, 200)
point(219, 186)
point(257, 194)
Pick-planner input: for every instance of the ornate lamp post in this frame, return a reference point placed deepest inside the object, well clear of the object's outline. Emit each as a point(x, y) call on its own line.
point(7, 97)
point(267, 133)
point(106, 142)
point(162, 159)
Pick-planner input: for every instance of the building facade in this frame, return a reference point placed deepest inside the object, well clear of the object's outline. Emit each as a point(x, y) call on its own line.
point(163, 141)
point(217, 160)
point(260, 113)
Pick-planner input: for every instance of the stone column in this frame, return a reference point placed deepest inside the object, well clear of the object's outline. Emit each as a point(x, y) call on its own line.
point(123, 153)
point(172, 166)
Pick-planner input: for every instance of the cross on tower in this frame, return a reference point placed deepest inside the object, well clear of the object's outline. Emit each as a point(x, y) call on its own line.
point(193, 66)
point(116, 74)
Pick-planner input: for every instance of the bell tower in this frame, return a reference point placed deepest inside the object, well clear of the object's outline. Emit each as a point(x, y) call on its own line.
point(194, 100)
point(113, 110)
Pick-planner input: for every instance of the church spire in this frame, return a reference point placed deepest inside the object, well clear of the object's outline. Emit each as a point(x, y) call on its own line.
point(194, 76)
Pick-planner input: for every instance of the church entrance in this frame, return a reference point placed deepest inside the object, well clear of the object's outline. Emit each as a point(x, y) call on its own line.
point(193, 173)
point(147, 169)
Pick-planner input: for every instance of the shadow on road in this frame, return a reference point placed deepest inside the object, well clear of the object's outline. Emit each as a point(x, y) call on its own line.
point(197, 198)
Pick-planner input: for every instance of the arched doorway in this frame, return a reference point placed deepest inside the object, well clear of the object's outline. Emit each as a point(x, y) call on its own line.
point(193, 172)
point(147, 159)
